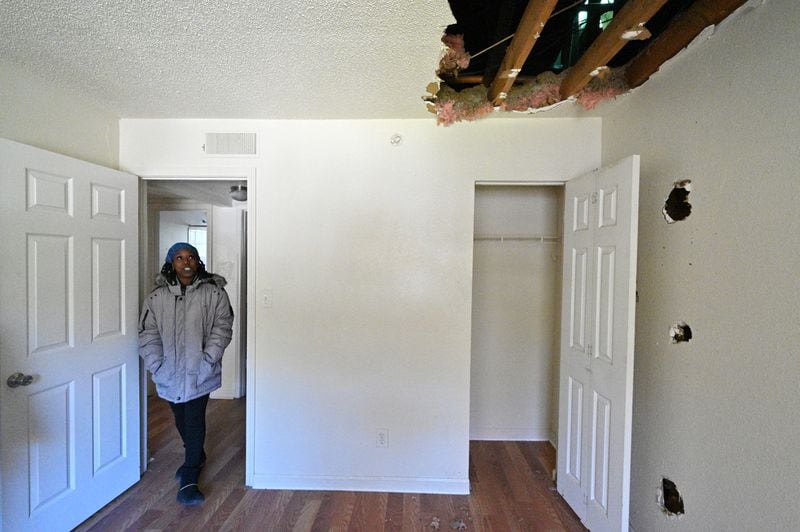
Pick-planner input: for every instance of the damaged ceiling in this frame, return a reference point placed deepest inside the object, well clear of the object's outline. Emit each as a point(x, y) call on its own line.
point(570, 28)
point(527, 54)
point(340, 58)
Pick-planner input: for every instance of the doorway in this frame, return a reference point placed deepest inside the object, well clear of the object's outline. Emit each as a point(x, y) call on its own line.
point(210, 214)
point(515, 312)
point(594, 353)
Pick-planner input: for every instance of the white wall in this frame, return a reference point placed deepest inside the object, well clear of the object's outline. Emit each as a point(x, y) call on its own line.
point(35, 112)
point(226, 238)
point(515, 314)
point(367, 249)
point(718, 415)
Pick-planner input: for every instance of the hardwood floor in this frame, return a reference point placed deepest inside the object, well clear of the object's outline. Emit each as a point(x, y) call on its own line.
point(511, 490)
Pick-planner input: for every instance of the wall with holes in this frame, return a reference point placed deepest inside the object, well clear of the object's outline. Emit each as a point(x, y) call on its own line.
point(717, 414)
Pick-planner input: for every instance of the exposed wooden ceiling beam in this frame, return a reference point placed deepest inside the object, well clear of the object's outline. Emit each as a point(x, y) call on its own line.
point(633, 16)
point(680, 32)
point(530, 27)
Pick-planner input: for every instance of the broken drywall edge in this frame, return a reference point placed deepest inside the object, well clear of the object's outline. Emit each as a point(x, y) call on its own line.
point(743, 10)
point(677, 206)
point(669, 499)
point(710, 31)
point(680, 332)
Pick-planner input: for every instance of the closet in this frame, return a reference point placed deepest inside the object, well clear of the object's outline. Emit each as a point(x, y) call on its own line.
point(516, 309)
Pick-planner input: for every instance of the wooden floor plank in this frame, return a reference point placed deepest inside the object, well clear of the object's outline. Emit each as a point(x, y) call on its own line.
point(308, 515)
point(510, 483)
point(394, 512)
point(226, 509)
point(369, 514)
point(292, 512)
point(412, 513)
point(270, 510)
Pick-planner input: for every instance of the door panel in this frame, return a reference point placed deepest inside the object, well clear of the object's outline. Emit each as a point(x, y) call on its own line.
point(603, 365)
point(109, 441)
point(601, 413)
point(604, 309)
point(577, 300)
point(51, 457)
point(576, 309)
point(50, 294)
point(70, 437)
point(108, 287)
point(574, 434)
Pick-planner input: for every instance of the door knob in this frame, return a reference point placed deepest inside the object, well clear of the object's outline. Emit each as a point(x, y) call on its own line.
point(18, 379)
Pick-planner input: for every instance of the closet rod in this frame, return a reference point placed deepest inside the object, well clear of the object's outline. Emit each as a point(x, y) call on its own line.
point(503, 238)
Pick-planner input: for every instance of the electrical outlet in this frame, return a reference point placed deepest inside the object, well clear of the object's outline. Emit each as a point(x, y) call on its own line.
point(382, 438)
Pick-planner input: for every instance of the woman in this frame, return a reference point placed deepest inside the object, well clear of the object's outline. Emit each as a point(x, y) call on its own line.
point(185, 326)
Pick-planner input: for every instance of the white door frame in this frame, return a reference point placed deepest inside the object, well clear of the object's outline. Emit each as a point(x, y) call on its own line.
point(626, 466)
point(531, 183)
point(247, 174)
point(553, 385)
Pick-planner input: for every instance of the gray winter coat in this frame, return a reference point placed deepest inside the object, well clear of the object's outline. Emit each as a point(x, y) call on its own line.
point(182, 336)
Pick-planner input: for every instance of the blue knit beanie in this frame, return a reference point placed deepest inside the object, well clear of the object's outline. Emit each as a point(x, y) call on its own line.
point(178, 246)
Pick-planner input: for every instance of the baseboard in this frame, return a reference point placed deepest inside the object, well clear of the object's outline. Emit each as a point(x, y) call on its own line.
point(509, 434)
point(443, 486)
point(222, 394)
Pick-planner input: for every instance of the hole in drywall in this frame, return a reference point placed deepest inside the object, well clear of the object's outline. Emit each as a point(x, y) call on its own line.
point(680, 332)
point(670, 499)
point(677, 206)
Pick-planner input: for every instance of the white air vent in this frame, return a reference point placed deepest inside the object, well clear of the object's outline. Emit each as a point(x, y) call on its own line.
point(230, 144)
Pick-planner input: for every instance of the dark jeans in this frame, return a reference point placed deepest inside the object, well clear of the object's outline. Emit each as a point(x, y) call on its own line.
point(190, 420)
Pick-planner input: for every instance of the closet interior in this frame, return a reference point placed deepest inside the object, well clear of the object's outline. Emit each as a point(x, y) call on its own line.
point(516, 309)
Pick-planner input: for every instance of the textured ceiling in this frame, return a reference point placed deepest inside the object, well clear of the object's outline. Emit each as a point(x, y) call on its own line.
point(203, 191)
point(238, 59)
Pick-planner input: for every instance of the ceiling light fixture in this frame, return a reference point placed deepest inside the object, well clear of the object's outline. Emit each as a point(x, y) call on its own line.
point(239, 192)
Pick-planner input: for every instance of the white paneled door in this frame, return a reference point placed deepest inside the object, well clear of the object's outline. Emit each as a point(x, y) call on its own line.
point(597, 329)
point(69, 418)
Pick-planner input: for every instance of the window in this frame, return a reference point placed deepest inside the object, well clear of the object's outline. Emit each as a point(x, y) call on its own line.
point(197, 235)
